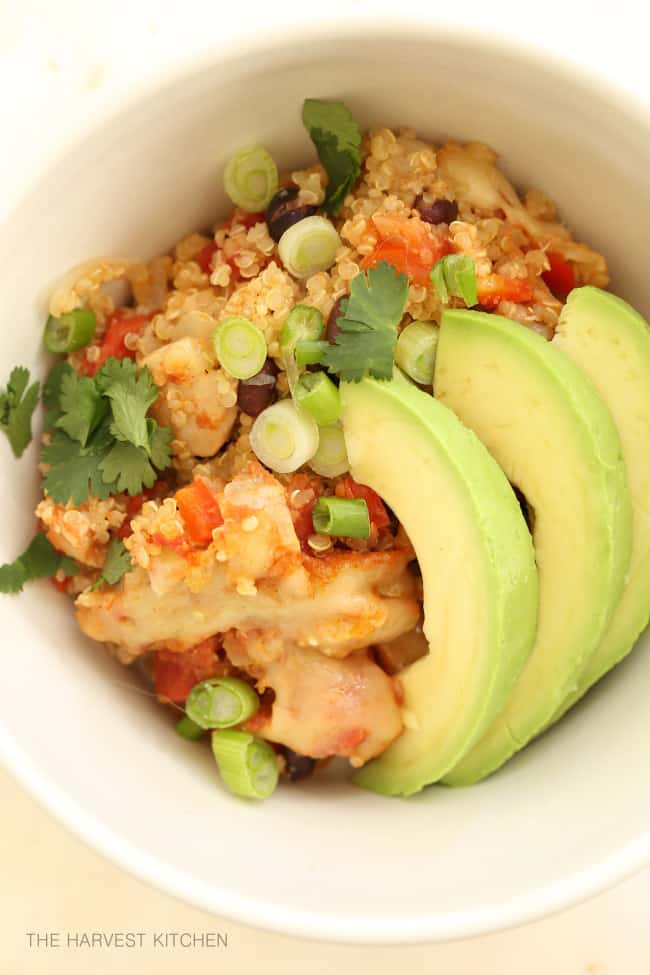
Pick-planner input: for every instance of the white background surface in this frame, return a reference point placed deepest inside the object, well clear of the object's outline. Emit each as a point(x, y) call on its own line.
point(62, 66)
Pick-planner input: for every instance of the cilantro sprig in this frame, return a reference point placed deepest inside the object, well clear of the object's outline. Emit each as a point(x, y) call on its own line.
point(368, 325)
point(101, 440)
point(17, 404)
point(39, 561)
point(337, 138)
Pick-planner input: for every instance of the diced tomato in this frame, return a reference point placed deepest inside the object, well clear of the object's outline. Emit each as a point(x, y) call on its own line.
point(133, 505)
point(302, 521)
point(349, 488)
point(494, 288)
point(61, 584)
point(118, 326)
point(180, 543)
point(235, 273)
point(407, 243)
point(244, 219)
point(560, 277)
point(175, 674)
point(199, 510)
point(302, 516)
point(205, 255)
point(348, 741)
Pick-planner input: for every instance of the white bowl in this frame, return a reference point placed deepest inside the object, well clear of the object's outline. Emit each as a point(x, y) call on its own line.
point(323, 859)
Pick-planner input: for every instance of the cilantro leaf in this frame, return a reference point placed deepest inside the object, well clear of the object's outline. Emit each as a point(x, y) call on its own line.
point(131, 395)
point(75, 472)
point(52, 392)
point(127, 468)
point(338, 142)
point(160, 439)
point(117, 564)
point(39, 560)
point(82, 406)
point(368, 326)
point(17, 405)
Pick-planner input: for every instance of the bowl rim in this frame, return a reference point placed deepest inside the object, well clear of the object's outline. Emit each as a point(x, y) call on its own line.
point(360, 929)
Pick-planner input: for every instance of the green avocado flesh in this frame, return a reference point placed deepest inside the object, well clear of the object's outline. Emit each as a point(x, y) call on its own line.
point(610, 342)
point(552, 435)
point(478, 573)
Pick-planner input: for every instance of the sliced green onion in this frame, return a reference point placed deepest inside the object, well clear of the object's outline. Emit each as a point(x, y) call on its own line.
point(284, 438)
point(440, 285)
point(251, 178)
point(303, 324)
point(455, 275)
point(465, 279)
point(70, 331)
point(247, 764)
point(221, 702)
point(316, 393)
point(310, 353)
point(240, 347)
point(331, 458)
point(415, 352)
point(189, 729)
point(347, 517)
point(309, 246)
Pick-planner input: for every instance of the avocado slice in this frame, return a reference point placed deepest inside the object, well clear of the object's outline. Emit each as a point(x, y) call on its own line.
point(478, 572)
point(610, 342)
point(545, 424)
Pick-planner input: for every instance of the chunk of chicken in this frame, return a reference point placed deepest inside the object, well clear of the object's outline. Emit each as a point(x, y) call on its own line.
point(472, 174)
point(197, 400)
point(252, 577)
point(324, 707)
point(82, 531)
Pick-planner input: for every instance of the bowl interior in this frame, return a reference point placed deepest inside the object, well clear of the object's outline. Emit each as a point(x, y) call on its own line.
point(321, 859)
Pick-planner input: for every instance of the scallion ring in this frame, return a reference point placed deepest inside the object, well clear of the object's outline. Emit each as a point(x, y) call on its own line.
point(344, 517)
point(455, 275)
point(189, 729)
point(240, 347)
point(303, 324)
point(248, 765)
point(221, 702)
point(309, 246)
point(251, 178)
point(284, 438)
point(415, 352)
point(316, 393)
point(310, 353)
point(70, 331)
point(331, 458)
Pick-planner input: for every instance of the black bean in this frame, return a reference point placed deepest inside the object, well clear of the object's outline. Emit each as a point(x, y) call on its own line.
point(440, 211)
point(298, 766)
point(332, 329)
point(258, 392)
point(283, 211)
